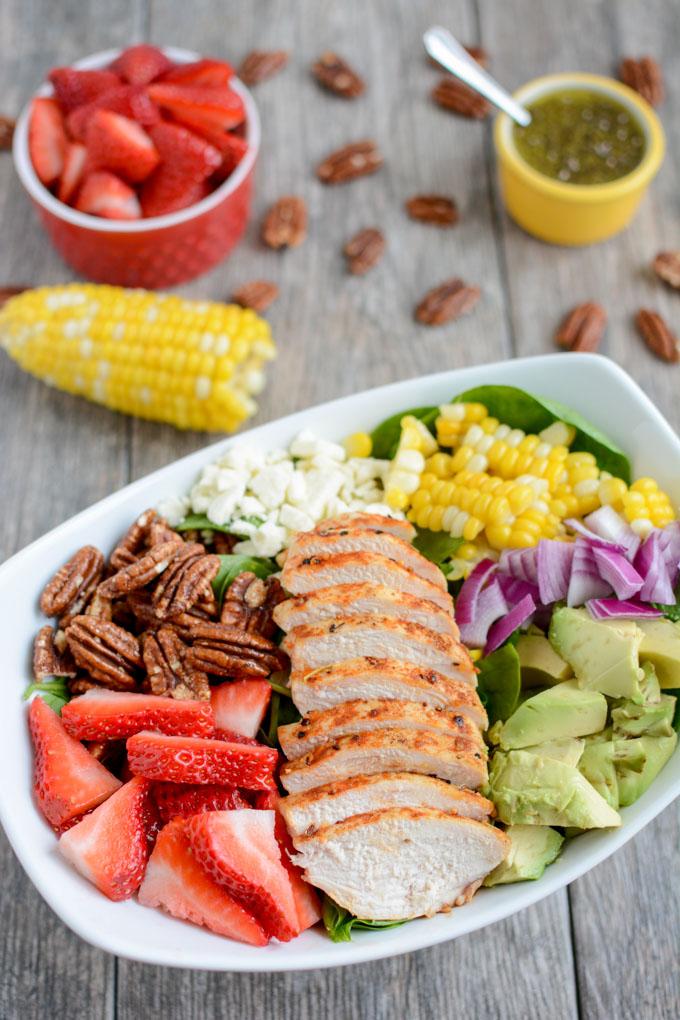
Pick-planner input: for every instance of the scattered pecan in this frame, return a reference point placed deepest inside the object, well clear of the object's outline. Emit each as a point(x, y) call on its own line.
point(446, 302)
point(250, 603)
point(83, 684)
point(48, 660)
point(142, 571)
point(148, 530)
point(285, 225)
point(71, 588)
point(436, 209)
point(364, 250)
point(258, 295)
point(582, 328)
point(656, 334)
point(226, 651)
point(165, 658)
point(477, 53)
point(259, 65)
point(645, 76)
point(186, 582)
point(105, 651)
point(453, 95)
point(335, 74)
point(100, 606)
point(355, 160)
point(7, 125)
point(667, 268)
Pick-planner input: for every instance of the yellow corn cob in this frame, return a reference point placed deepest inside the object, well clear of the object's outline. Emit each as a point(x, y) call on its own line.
point(195, 364)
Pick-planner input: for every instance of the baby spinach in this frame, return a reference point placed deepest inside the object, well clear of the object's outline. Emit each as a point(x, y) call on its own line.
point(499, 682)
point(436, 546)
point(339, 922)
point(671, 612)
point(201, 522)
point(522, 410)
point(53, 691)
point(385, 437)
point(281, 711)
point(233, 565)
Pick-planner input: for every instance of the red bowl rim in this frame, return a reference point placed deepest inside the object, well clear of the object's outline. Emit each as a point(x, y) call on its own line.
point(40, 194)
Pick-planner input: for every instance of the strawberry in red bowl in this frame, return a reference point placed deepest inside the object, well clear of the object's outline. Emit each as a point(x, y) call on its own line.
point(140, 163)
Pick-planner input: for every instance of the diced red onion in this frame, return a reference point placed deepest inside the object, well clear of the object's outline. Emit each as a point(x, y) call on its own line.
point(502, 630)
point(585, 582)
point(613, 609)
point(614, 568)
point(554, 562)
point(490, 605)
point(514, 589)
point(580, 529)
point(651, 564)
point(607, 524)
point(466, 602)
point(519, 563)
point(669, 540)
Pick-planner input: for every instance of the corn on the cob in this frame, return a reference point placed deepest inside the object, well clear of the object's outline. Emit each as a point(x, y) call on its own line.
point(195, 364)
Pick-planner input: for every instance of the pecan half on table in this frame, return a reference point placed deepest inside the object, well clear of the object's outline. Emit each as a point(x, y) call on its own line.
point(105, 651)
point(436, 209)
point(68, 592)
point(169, 673)
point(257, 294)
point(355, 160)
point(285, 225)
point(666, 265)
point(335, 74)
point(456, 97)
point(250, 603)
point(644, 75)
point(364, 250)
point(446, 302)
point(259, 65)
point(7, 125)
point(657, 335)
point(582, 328)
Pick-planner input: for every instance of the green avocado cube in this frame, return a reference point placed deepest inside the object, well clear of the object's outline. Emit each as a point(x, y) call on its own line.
point(540, 664)
point(597, 765)
point(638, 762)
point(654, 720)
point(560, 711)
point(661, 647)
point(566, 749)
point(532, 849)
point(602, 653)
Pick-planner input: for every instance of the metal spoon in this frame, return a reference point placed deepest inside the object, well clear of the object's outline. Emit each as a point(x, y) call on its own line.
point(448, 52)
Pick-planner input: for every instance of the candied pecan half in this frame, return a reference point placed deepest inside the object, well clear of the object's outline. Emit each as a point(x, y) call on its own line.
point(83, 684)
point(436, 209)
point(285, 225)
point(69, 591)
point(453, 95)
point(7, 125)
point(257, 294)
point(100, 606)
point(364, 250)
point(141, 572)
point(169, 674)
point(355, 160)
point(186, 582)
point(446, 302)
point(48, 660)
point(657, 335)
point(250, 603)
point(259, 65)
point(645, 76)
point(226, 651)
point(105, 651)
point(148, 530)
point(336, 75)
point(667, 268)
point(582, 328)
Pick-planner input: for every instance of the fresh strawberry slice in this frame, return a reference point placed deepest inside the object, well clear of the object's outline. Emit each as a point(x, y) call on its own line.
point(207, 73)
point(181, 800)
point(120, 144)
point(233, 149)
point(104, 194)
point(116, 715)
point(240, 705)
point(74, 88)
point(72, 174)
point(47, 140)
point(68, 780)
point(196, 760)
point(189, 155)
point(140, 64)
point(306, 900)
point(235, 738)
point(128, 100)
point(175, 882)
point(218, 108)
point(238, 849)
point(111, 846)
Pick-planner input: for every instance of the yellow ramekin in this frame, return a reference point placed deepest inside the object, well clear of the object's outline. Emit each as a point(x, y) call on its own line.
point(574, 214)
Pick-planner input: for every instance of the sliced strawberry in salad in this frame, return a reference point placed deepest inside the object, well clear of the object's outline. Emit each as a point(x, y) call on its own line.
point(306, 900)
point(197, 760)
point(181, 800)
point(140, 64)
point(74, 88)
point(175, 882)
point(47, 140)
point(240, 705)
point(68, 780)
point(116, 715)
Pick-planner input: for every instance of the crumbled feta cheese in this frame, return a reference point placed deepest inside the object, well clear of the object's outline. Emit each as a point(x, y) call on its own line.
point(294, 519)
point(268, 539)
point(174, 509)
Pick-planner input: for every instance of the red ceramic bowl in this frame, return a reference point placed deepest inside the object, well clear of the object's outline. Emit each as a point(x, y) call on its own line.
point(160, 251)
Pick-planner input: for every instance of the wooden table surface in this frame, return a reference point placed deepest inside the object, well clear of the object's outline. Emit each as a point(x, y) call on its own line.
point(607, 946)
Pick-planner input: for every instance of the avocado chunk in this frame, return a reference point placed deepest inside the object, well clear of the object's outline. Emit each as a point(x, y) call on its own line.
point(597, 765)
point(566, 749)
point(561, 711)
point(650, 687)
point(540, 664)
point(602, 653)
point(661, 646)
point(528, 790)
point(532, 849)
point(638, 762)
point(653, 720)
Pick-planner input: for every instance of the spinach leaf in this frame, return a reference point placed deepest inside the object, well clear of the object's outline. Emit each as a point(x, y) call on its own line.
point(671, 612)
point(201, 522)
point(281, 711)
point(339, 922)
point(436, 546)
point(233, 565)
point(385, 437)
point(499, 682)
point(524, 411)
point(54, 692)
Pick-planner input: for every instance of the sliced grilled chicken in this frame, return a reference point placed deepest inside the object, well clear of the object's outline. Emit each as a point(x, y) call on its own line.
point(319, 728)
point(325, 805)
point(302, 575)
point(357, 599)
point(401, 862)
point(354, 539)
point(311, 647)
point(371, 522)
point(385, 678)
point(454, 759)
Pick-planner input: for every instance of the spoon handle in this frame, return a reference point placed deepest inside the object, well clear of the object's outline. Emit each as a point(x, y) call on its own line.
point(448, 52)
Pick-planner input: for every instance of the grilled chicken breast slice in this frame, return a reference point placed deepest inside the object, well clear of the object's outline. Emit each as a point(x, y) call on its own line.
point(355, 539)
point(302, 575)
point(359, 599)
point(319, 728)
point(369, 678)
point(371, 522)
point(401, 862)
point(329, 641)
point(304, 813)
point(454, 759)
